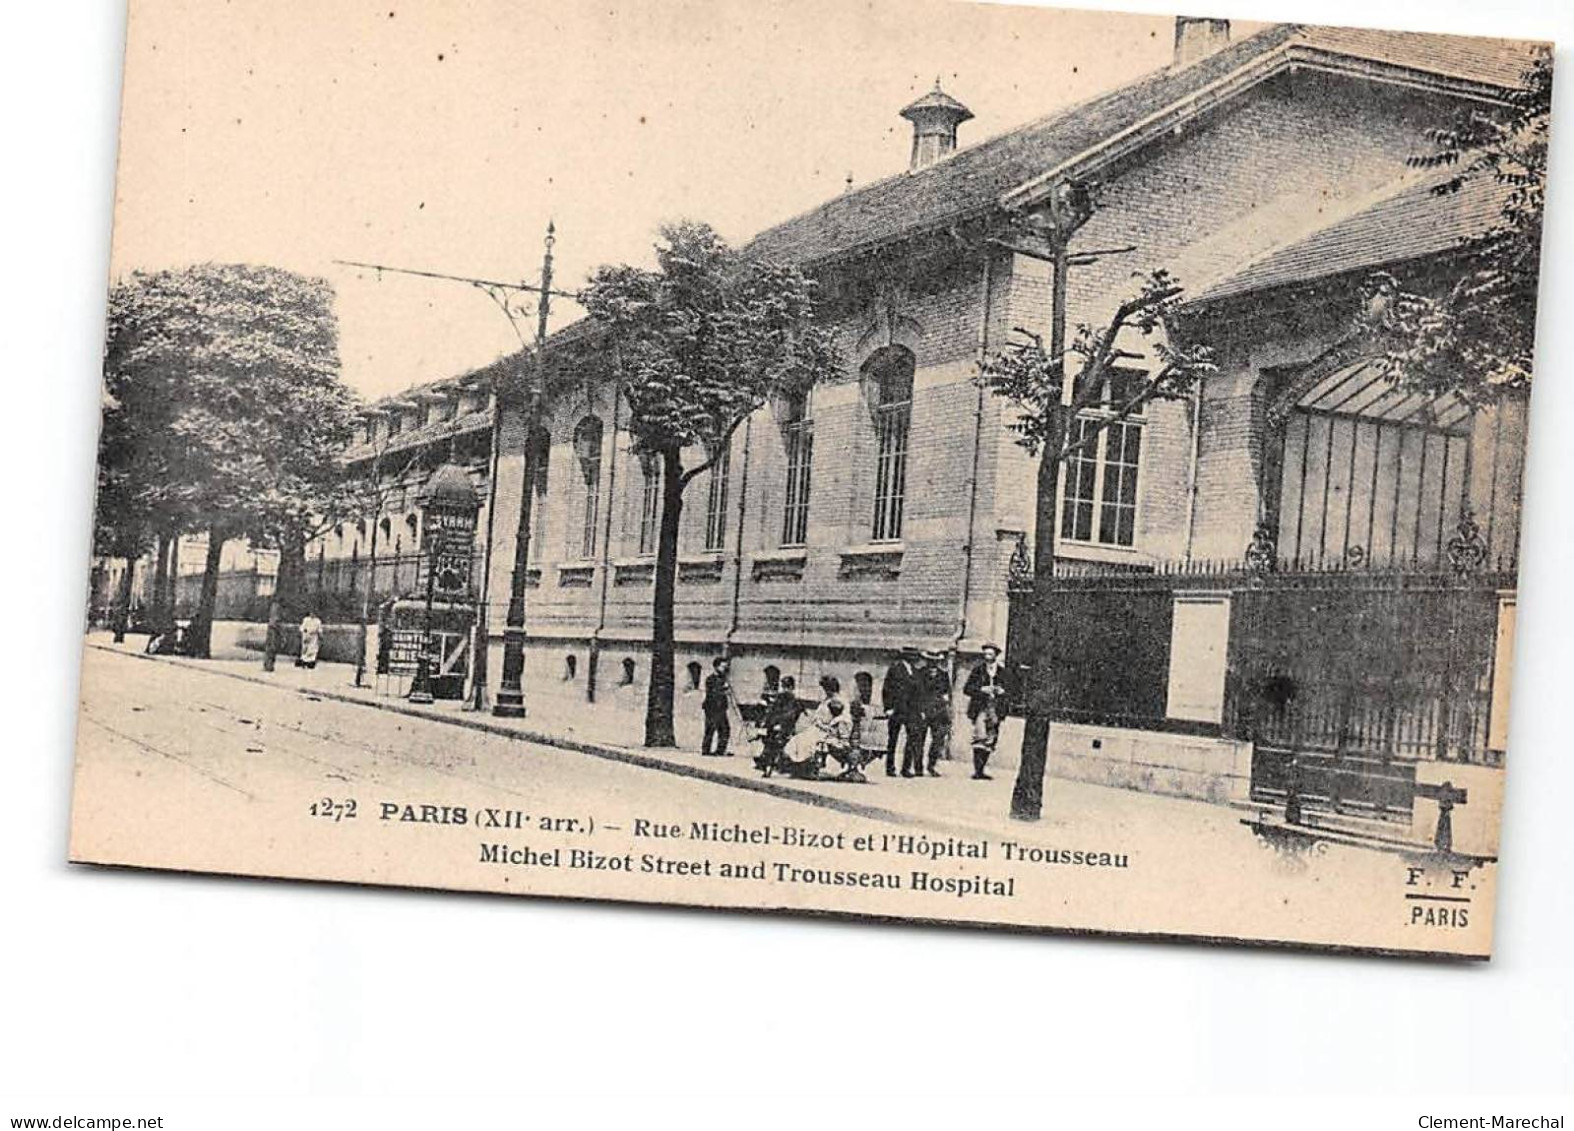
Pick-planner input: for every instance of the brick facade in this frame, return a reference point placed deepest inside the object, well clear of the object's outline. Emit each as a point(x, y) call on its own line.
point(1217, 192)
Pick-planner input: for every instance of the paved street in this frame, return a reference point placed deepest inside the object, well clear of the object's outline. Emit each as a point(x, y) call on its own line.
point(213, 766)
point(953, 802)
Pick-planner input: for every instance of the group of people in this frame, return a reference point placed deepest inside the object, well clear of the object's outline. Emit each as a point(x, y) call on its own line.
point(916, 696)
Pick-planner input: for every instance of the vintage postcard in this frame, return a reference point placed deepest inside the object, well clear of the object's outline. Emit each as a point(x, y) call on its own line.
point(918, 461)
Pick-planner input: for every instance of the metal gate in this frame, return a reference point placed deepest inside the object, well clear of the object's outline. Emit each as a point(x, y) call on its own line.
point(1345, 680)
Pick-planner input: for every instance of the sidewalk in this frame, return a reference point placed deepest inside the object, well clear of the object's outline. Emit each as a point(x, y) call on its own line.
point(953, 803)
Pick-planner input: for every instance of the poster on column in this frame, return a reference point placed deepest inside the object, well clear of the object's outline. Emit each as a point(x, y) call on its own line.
point(1047, 469)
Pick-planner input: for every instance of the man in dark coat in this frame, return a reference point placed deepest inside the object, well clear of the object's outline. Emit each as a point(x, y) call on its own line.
point(717, 701)
point(931, 717)
point(779, 724)
point(990, 688)
point(896, 695)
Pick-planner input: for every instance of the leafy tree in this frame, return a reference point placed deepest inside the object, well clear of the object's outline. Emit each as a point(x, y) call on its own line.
point(1104, 389)
point(698, 345)
point(123, 524)
point(226, 411)
point(1476, 337)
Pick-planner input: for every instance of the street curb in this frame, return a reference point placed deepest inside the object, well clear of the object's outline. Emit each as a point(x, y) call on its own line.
point(624, 754)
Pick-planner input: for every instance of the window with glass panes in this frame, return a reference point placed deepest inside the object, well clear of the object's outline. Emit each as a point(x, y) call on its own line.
point(587, 452)
point(649, 504)
point(891, 372)
point(798, 436)
point(541, 455)
point(716, 502)
point(1099, 485)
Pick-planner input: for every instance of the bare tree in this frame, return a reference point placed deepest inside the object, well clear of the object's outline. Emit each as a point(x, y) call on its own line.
point(1055, 422)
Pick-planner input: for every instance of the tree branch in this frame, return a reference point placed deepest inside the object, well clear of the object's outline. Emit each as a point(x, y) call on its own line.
point(1105, 354)
point(1101, 422)
point(723, 445)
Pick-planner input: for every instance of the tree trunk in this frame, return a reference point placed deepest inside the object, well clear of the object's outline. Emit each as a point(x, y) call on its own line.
point(161, 612)
point(172, 586)
point(120, 615)
point(292, 564)
point(658, 703)
point(1027, 796)
point(370, 598)
point(199, 634)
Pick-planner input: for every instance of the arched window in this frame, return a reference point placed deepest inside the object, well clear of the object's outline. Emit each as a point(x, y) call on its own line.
point(570, 667)
point(773, 678)
point(798, 438)
point(628, 671)
point(649, 504)
point(889, 376)
point(716, 500)
point(539, 454)
point(587, 453)
point(695, 672)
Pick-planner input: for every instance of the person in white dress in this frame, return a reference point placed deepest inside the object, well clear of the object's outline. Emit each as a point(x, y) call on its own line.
point(311, 639)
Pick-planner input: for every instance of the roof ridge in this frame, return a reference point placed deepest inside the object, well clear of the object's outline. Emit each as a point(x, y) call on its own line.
point(1280, 32)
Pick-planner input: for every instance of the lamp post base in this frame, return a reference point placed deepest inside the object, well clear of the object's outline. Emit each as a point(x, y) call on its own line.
point(510, 704)
point(421, 686)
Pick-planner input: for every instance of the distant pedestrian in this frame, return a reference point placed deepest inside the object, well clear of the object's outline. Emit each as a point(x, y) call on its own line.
point(931, 717)
point(896, 695)
point(311, 639)
point(716, 706)
point(779, 724)
point(989, 689)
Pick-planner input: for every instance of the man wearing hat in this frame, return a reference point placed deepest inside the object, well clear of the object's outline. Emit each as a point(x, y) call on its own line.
point(896, 696)
point(931, 715)
point(990, 688)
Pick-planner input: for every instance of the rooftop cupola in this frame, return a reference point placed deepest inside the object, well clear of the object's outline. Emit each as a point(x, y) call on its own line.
point(935, 118)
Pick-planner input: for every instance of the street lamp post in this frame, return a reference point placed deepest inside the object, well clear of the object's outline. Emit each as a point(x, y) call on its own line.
point(510, 703)
point(448, 513)
point(510, 695)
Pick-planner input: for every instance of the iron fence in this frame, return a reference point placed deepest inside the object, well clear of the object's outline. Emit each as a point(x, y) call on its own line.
point(1344, 662)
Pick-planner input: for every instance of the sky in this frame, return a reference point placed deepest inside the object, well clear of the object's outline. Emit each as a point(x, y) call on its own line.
point(443, 137)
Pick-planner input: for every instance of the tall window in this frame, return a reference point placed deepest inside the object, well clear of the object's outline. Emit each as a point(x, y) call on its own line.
point(650, 504)
point(716, 502)
point(1375, 474)
point(890, 372)
point(798, 433)
point(540, 454)
point(1099, 495)
point(587, 453)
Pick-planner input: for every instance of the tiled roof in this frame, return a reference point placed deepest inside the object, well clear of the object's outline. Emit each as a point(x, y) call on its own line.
point(425, 434)
point(973, 180)
point(1495, 62)
point(1411, 220)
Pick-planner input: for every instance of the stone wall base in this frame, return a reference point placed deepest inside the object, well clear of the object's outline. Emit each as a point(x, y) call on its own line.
point(1176, 765)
